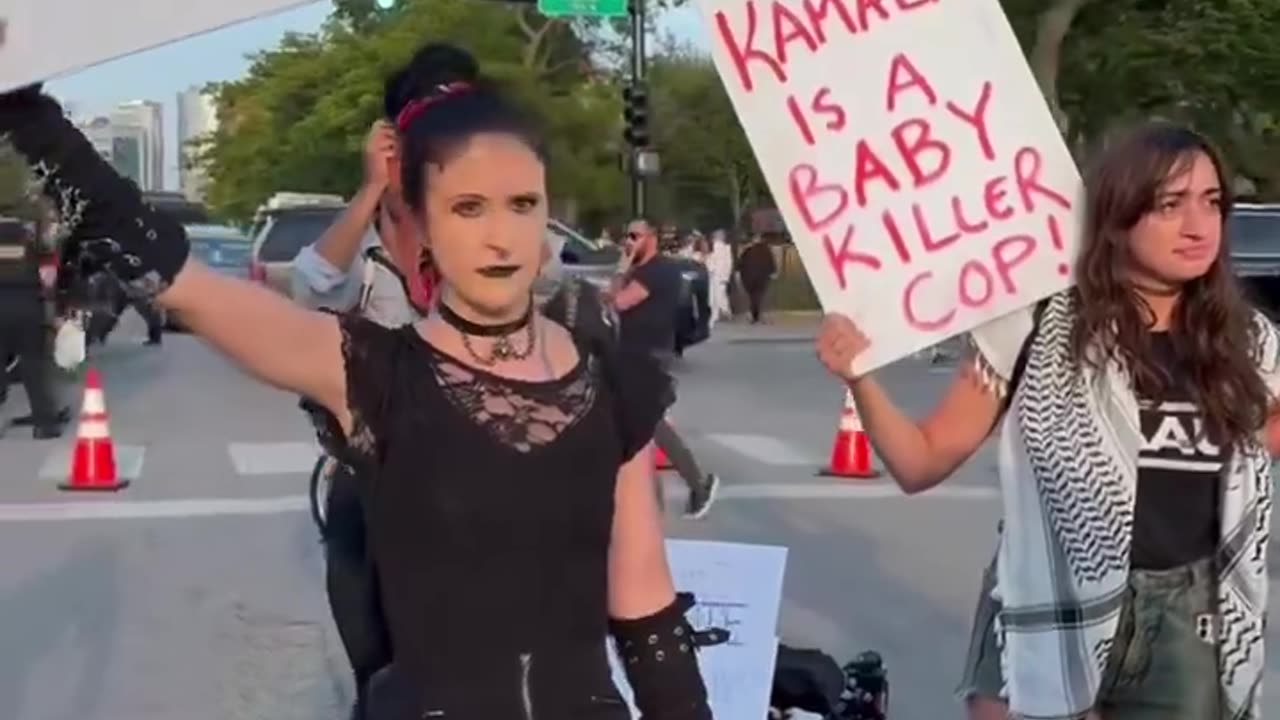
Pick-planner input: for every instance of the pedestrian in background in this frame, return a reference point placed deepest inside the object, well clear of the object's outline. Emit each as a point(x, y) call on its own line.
point(756, 269)
point(720, 272)
point(646, 294)
point(369, 262)
point(24, 336)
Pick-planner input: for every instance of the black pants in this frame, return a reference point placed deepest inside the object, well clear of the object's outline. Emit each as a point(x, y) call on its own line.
point(352, 584)
point(755, 297)
point(666, 437)
point(22, 333)
point(150, 313)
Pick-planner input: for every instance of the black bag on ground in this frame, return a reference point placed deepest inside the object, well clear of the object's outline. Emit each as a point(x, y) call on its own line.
point(808, 680)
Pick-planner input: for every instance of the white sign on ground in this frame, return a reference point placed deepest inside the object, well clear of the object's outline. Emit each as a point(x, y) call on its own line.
point(738, 588)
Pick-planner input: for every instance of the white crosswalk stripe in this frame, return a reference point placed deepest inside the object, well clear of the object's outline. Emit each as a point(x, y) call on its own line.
point(279, 458)
point(129, 462)
point(762, 448)
point(675, 491)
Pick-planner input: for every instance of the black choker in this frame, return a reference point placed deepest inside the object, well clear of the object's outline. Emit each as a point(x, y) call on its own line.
point(503, 348)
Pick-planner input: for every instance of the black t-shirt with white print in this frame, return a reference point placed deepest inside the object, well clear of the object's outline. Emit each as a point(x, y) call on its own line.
point(1179, 470)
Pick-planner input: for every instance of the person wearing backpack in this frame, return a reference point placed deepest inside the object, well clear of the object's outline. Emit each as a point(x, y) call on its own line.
point(369, 261)
point(1136, 416)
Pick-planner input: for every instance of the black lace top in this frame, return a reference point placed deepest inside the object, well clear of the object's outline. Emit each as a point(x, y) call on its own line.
point(489, 504)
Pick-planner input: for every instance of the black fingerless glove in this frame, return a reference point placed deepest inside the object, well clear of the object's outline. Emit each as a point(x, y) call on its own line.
point(102, 217)
point(659, 655)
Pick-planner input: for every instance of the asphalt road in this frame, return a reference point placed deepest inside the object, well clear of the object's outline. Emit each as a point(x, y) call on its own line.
point(197, 593)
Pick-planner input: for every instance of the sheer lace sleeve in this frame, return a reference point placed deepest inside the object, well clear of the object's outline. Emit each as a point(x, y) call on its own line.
point(642, 392)
point(370, 352)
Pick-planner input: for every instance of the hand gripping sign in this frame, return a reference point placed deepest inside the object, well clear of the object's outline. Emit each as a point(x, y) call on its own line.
point(41, 39)
point(909, 149)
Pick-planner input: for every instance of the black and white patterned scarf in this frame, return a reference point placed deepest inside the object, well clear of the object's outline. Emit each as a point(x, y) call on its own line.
point(1068, 452)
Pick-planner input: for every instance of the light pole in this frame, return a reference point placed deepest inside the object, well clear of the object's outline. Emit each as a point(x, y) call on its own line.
point(637, 143)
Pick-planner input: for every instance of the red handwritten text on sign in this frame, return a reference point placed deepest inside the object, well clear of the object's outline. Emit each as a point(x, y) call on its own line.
point(900, 200)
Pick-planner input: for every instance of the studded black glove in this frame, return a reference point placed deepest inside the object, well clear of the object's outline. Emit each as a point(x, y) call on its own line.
point(103, 221)
point(659, 656)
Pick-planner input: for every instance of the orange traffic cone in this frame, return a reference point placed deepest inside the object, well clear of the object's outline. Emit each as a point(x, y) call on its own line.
point(660, 459)
point(851, 455)
point(93, 461)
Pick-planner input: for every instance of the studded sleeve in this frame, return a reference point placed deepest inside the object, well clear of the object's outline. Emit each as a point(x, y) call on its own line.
point(102, 215)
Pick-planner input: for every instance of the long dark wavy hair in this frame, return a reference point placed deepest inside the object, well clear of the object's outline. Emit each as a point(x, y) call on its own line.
point(1212, 325)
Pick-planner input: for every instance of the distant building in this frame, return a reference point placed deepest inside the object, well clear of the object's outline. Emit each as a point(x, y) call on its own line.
point(101, 135)
point(197, 117)
point(143, 120)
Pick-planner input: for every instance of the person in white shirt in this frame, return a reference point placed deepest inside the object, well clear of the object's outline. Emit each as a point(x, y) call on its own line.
point(369, 259)
point(720, 268)
point(369, 262)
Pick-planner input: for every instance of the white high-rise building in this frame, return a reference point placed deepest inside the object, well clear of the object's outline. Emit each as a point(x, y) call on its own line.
point(197, 117)
point(143, 120)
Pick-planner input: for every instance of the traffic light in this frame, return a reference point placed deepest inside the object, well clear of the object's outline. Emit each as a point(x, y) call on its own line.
point(635, 110)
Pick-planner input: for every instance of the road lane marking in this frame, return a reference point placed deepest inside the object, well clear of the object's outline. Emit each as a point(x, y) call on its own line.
point(762, 448)
point(854, 490)
point(279, 458)
point(129, 458)
point(674, 490)
point(143, 509)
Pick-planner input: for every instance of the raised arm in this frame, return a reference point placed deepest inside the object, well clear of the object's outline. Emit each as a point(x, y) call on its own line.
point(108, 223)
point(919, 455)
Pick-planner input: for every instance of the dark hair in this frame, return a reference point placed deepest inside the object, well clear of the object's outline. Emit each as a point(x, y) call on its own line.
point(1212, 325)
point(454, 102)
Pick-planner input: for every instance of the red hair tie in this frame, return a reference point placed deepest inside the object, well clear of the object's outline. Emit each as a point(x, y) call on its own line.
point(413, 109)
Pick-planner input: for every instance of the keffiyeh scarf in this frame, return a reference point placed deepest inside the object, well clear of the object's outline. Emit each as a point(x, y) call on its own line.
point(1068, 451)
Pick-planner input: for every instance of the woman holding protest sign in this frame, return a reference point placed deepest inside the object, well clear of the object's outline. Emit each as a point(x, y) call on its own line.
point(508, 469)
point(1131, 566)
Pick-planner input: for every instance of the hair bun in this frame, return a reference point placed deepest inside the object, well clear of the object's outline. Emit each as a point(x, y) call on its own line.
point(440, 64)
point(434, 65)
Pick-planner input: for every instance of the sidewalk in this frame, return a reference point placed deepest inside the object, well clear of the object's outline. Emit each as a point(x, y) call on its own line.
point(799, 326)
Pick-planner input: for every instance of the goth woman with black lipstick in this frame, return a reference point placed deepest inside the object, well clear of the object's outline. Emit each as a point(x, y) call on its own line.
point(510, 506)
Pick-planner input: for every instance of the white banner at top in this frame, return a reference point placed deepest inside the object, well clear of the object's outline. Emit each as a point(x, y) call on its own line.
point(43, 39)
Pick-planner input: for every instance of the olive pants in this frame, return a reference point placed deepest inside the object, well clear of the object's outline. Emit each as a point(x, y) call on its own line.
point(1163, 663)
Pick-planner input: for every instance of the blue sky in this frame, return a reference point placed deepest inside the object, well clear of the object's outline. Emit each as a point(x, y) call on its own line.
point(160, 74)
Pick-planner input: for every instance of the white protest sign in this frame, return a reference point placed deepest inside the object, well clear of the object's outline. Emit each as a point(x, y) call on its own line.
point(738, 588)
point(42, 39)
point(911, 154)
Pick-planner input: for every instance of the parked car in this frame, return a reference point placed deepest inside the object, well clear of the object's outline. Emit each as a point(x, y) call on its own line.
point(693, 318)
point(283, 226)
point(1254, 233)
point(220, 247)
point(223, 248)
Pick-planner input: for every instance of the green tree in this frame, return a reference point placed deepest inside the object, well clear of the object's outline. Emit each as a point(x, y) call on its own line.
point(297, 120)
point(1042, 27)
point(16, 197)
point(709, 171)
